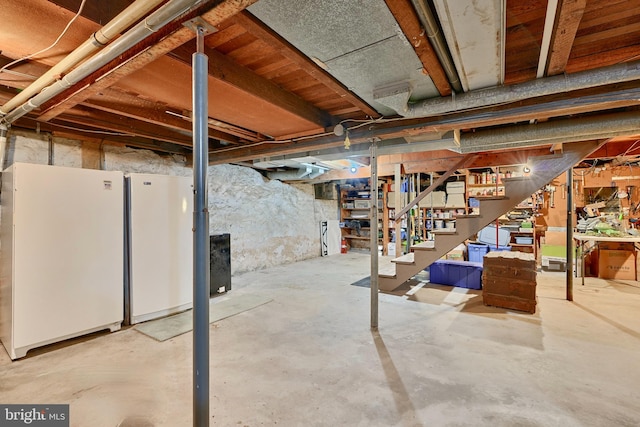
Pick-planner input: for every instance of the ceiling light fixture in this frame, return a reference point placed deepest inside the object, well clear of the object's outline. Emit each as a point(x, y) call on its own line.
point(526, 169)
point(353, 169)
point(347, 141)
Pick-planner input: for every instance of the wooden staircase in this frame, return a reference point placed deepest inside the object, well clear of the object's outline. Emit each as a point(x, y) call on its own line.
point(543, 170)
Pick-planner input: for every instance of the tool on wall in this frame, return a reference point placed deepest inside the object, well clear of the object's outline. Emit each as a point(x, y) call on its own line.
point(551, 189)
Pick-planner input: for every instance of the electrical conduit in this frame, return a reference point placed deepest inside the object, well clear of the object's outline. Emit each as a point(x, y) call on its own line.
point(99, 39)
point(139, 32)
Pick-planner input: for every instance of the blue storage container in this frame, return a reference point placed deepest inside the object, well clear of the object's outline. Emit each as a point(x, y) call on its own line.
point(439, 273)
point(462, 274)
point(491, 236)
point(477, 251)
point(499, 248)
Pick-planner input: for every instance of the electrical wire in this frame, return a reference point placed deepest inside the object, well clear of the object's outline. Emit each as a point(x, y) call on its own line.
point(66, 28)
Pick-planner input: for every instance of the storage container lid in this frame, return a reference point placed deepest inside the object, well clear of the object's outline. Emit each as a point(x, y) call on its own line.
point(488, 235)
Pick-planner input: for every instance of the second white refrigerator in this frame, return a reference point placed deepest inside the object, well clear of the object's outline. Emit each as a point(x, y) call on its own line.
point(160, 220)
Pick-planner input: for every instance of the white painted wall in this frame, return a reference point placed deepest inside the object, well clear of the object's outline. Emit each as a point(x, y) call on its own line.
point(270, 222)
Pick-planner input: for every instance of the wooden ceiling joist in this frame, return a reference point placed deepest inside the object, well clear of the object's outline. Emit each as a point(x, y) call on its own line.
point(568, 19)
point(157, 44)
point(101, 120)
point(117, 102)
point(409, 22)
point(227, 71)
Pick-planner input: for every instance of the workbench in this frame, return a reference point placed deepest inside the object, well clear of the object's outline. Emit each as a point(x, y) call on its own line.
point(582, 239)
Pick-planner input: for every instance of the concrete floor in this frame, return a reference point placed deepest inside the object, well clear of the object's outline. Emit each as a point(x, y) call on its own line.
point(308, 358)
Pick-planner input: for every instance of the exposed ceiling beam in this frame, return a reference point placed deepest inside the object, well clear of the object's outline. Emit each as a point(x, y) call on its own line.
point(231, 73)
point(96, 11)
point(157, 44)
point(437, 161)
point(101, 120)
point(568, 17)
point(597, 99)
point(118, 102)
point(409, 22)
point(57, 129)
point(286, 49)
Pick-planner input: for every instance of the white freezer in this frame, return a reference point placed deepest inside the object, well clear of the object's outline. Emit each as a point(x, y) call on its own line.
point(161, 245)
point(62, 254)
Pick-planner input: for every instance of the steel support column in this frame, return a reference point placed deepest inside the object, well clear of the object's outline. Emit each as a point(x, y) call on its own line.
point(570, 235)
point(373, 235)
point(200, 236)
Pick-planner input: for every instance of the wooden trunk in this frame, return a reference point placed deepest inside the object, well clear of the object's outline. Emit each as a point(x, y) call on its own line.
point(509, 281)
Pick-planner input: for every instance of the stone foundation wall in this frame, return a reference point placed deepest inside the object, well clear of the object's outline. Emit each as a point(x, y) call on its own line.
point(270, 222)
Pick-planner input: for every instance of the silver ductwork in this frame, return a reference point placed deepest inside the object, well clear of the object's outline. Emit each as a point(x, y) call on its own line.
point(552, 132)
point(613, 74)
point(307, 172)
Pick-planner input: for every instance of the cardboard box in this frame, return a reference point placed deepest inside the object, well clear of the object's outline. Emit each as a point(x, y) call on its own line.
point(455, 255)
point(617, 265)
point(435, 198)
point(391, 249)
point(558, 238)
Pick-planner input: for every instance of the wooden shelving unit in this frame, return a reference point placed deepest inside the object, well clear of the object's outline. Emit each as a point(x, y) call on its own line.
point(355, 218)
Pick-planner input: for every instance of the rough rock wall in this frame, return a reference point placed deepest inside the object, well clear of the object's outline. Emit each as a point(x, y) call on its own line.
point(270, 222)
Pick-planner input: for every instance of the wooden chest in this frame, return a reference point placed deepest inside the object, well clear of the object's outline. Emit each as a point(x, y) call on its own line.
point(509, 280)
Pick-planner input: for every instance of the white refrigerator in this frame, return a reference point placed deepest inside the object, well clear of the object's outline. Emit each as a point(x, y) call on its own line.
point(61, 262)
point(160, 221)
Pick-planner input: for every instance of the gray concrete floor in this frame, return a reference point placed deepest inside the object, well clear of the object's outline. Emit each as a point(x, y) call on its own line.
point(308, 358)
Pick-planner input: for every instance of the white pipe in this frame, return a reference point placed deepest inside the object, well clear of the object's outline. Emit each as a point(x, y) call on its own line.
point(549, 22)
point(430, 24)
point(138, 33)
point(100, 38)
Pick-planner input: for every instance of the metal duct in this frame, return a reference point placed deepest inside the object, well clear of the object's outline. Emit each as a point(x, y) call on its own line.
point(559, 131)
point(139, 32)
point(540, 87)
point(298, 174)
point(97, 40)
point(430, 24)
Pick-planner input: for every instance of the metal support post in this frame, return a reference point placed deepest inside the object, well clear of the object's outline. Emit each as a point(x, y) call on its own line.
point(200, 235)
point(570, 235)
point(373, 238)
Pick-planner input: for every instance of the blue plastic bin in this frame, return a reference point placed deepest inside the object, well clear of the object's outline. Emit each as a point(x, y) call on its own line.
point(499, 248)
point(477, 251)
point(462, 274)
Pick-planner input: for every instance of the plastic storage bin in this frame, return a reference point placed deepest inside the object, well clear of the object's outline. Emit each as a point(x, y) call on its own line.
point(524, 240)
point(488, 235)
point(462, 274)
point(499, 248)
point(476, 251)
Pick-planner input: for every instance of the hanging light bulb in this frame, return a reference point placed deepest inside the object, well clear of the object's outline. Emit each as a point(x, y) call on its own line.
point(347, 141)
